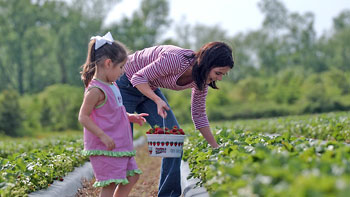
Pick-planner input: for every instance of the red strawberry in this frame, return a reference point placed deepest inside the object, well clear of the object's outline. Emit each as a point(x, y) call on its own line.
point(167, 143)
point(181, 132)
point(160, 131)
point(162, 143)
point(150, 131)
point(154, 143)
point(175, 144)
point(158, 143)
point(171, 143)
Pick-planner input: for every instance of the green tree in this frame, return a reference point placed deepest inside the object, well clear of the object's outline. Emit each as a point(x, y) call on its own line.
point(144, 27)
point(43, 40)
point(337, 48)
point(72, 29)
point(17, 17)
point(10, 113)
point(342, 21)
point(194, 37)
point(276, 15)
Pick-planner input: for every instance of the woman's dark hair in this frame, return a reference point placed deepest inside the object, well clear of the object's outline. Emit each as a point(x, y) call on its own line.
point(116, 51)
point(211, 55)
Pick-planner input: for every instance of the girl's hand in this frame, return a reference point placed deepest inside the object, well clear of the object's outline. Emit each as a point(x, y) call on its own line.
point(137, 118)
point(162, 107)
point(108, 141)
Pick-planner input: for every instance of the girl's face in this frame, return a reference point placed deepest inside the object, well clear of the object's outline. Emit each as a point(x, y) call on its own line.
point(115, 71)
point(217, 73)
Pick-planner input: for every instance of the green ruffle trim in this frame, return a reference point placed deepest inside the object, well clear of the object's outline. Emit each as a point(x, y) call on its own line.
point(117, 181)
point(109, 153)
point(106, 183)
point(133, 172)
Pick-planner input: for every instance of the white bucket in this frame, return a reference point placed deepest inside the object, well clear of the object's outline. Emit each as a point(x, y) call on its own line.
point(165, 145)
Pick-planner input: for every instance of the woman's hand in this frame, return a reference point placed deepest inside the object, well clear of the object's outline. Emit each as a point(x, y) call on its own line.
point(206, 132)
point(146, 90)
point(162, 107)
point(108, 141)
point(137, 118)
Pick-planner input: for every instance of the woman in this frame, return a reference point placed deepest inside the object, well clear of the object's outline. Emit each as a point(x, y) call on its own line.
point(174, 68)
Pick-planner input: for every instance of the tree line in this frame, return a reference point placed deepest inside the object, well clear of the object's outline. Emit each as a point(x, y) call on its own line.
point(282, 68)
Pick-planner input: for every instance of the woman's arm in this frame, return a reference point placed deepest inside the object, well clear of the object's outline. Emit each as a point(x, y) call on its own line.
point(146, 90)
point(205, 131)
point(199, 116)
point(91, 99)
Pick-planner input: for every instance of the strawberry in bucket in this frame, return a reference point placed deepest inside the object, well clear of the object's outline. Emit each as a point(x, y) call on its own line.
point(165, 142)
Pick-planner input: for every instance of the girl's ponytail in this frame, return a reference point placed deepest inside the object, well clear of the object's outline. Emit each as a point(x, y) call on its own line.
point(89, 67)
point(104, 47)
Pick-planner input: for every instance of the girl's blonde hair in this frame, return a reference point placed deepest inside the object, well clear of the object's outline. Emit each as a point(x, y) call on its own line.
point(116, 51)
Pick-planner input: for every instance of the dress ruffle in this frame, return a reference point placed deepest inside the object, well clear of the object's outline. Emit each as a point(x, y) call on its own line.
point(133, 172)
point(109, 153)
point(107, 182)
point(117, 181)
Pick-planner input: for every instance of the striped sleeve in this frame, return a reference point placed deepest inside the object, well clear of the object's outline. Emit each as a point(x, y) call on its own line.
point(198, 109)
point(166, 64)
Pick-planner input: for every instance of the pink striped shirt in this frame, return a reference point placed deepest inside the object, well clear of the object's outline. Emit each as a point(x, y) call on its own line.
point(161, 66)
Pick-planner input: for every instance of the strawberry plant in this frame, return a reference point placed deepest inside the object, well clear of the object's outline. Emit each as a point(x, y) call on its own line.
point(327, 126)
point(251, 162)
point(34, 164)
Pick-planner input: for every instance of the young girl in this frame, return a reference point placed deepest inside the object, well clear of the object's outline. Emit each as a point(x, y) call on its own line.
point(107, 132)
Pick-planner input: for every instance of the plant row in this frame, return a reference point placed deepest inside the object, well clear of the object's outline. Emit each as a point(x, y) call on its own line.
point(250, 163)
point(326, 126)
point(24, 171)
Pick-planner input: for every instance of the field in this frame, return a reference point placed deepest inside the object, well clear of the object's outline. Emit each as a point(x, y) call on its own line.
point(305, 155)
point(291, 156)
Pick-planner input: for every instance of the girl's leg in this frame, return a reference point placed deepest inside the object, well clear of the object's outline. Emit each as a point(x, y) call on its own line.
point(170, 180)
point(124, 190)
point(108, 191)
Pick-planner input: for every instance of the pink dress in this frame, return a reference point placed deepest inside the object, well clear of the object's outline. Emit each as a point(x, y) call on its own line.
point(110, 166)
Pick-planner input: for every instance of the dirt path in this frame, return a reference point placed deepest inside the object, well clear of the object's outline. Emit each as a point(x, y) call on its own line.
point(147, 186)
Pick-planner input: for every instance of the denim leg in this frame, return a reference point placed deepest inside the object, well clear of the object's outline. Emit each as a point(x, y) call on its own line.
point(131, 96)
point(170, 180)
point(133, 100)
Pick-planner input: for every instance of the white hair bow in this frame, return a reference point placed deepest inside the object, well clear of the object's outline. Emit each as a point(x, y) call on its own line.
point(100, 41)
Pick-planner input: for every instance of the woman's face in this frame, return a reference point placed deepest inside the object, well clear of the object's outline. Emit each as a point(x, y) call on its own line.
point(217, 73)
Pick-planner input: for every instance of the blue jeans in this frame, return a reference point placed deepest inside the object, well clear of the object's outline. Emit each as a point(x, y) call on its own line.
point(135, 101)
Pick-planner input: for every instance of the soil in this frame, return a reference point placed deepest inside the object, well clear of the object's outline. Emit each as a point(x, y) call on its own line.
point(146, 186)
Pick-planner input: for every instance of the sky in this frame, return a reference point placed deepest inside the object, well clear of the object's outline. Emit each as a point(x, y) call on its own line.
point(236, 16)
